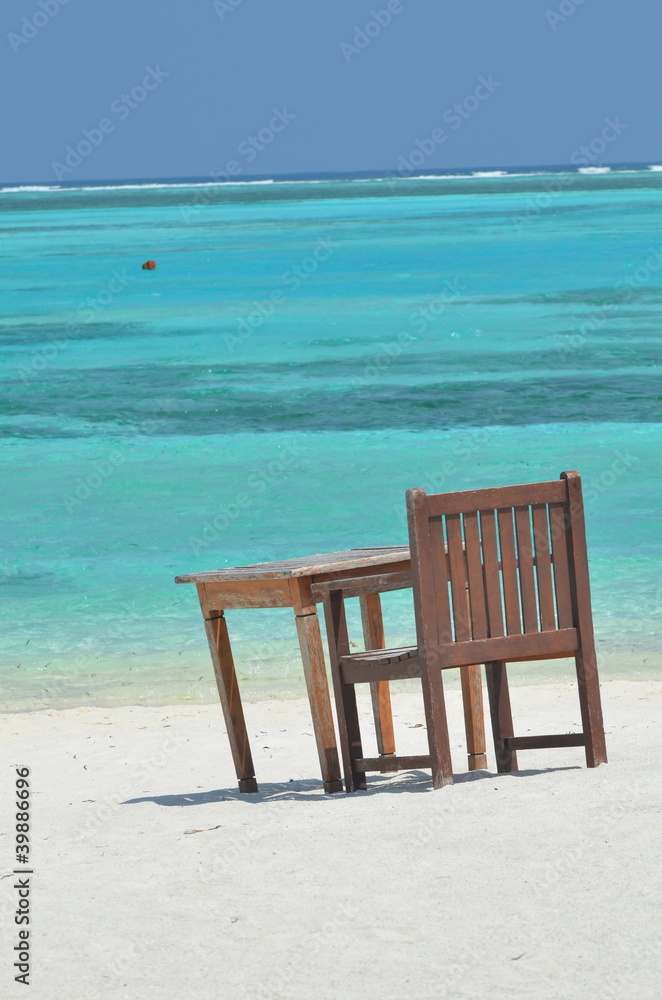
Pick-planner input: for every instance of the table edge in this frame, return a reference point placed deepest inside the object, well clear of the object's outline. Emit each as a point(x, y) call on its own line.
point(399, 553)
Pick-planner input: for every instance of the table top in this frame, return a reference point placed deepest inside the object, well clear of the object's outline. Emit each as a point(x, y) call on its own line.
point(327, 562)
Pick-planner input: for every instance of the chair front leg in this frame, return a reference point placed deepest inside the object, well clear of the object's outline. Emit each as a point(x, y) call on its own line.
point(345, 694)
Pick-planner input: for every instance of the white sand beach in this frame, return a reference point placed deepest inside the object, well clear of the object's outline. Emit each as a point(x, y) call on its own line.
point(155, 878)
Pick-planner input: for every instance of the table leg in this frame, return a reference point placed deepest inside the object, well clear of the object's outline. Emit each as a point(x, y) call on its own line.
point(373, 636)
point(228, 690)
point(474, 717)
point(314, 668)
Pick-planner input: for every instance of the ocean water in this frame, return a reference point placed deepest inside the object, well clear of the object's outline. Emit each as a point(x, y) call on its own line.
point(313, 348)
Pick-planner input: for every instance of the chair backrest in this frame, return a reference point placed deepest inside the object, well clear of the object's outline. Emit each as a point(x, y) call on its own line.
point(499, 562)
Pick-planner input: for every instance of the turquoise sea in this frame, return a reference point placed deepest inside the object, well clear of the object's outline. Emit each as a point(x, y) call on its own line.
point(315, 348)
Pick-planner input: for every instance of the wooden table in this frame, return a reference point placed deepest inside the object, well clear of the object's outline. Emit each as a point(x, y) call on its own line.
point(301, 584)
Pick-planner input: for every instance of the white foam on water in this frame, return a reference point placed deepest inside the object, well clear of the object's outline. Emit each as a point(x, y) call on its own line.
point(476, 174)
point(438, 177)
point(147, 186)
point(140, 187)
point(30, 187)
point(594, 170)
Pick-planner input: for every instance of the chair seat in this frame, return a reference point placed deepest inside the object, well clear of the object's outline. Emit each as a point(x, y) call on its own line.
point(380, 664)
point(375, 656)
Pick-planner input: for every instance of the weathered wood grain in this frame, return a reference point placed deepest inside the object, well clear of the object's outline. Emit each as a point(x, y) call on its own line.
point(544, 742)
point(560, 528)
point(474, 717)
point(393, 763)
point(544, 570)
point(525, 646)
point(491, 569)
point(475, 577)
point(493, 499)
point(228, 691)
point(360, 586)
point(501, 715)
point(509, 571)
point(249, 594)
point(314, 668)
point(303, 565)
point(346, 706)
point(525, 569)
point(458, 574)
point(585, 660)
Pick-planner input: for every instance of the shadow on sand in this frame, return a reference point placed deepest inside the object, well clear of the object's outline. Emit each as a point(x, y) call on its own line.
point(312, 789)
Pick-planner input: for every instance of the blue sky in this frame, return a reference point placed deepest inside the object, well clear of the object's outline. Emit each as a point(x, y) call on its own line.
point(206, 80)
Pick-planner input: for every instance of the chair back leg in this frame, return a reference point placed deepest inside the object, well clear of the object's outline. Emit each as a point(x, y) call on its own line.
point(591, 708)
point(501, 715)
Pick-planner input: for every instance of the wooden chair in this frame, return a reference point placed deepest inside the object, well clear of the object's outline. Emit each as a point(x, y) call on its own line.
point(498, 575)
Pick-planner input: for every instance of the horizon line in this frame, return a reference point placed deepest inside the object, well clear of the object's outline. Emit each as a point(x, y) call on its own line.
point(373, 173)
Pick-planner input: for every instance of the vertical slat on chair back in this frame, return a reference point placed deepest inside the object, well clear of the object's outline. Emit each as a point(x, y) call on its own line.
point(559, 524)
point(493, 562)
